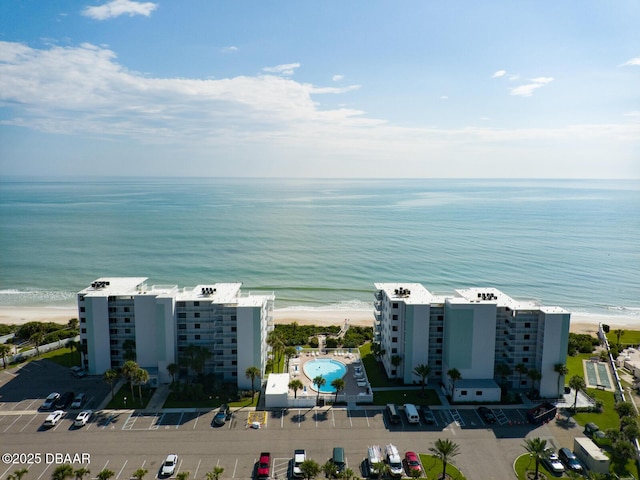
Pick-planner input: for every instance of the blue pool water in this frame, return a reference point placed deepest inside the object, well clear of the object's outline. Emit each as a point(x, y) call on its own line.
point(328, 368)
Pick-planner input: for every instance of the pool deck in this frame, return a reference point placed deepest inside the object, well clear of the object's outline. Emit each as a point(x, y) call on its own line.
point(350, 358)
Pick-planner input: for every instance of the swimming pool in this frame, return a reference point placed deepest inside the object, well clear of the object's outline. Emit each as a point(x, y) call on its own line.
point(328, 368)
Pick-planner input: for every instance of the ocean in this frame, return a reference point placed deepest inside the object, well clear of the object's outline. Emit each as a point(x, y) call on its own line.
point(321, 244)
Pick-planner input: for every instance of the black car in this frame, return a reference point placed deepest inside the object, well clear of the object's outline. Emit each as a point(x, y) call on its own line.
point(65, 399)
point(221, 417)
point(569, 459)
point(427, 414)
point(487, 415)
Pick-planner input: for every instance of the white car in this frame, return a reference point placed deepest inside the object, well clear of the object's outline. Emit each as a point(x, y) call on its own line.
point(553, 462)
point(169, 465)
point(53, 418)
point(299, 456)
point(82, 418)
point(50, 400)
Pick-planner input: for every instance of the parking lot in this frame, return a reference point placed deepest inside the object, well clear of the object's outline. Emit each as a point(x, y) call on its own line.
point(124, 441)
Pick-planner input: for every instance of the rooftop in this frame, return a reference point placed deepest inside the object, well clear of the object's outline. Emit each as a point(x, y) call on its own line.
point(409, 293)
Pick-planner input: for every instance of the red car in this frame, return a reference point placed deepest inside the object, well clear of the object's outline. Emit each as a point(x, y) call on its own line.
point(264, 465)
point(413, 462)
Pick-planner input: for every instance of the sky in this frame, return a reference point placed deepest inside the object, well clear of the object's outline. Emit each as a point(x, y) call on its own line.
point(345, 89)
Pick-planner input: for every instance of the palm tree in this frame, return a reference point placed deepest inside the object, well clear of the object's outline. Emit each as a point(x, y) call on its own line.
point(339, 385)
point(18, 474)
point(73, 323)
point(422, 371)
point(535, 376)
point(396, 360)
point(381, 468)
point(377, 350)
point(619, 333)
point(319, 382)
point(289, 352)
point(445, 450)
point(37, 338)
point(252, 373)
point(110, 376)
point(561, 369)
point(521, 368)
point(173, 370)
point(4, 351)
point(275, 341)
point(82, 471)
point(183, 475)
point(455, 375)
point(295, 385)
point(215, 473)
point(310, 469)
point(128, 371)
point(105, 474)
point(140, 376)
point(140, 473)
point(577, 383)
point(537, 449)
point(62, 472)
point(73, 345)
point(347, 474)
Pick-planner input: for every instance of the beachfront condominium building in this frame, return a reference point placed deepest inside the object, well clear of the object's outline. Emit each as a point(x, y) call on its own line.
point(488, 337)
point(124, 317)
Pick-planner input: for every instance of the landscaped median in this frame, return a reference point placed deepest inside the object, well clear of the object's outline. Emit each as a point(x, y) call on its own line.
point(432, 466)
point(525, 468)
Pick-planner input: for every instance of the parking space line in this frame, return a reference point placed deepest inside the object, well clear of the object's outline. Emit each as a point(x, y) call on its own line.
point(4, 474)
point(367, 418)
point(32, 402)
point(32, 418)
point(195, 474)
point(120, 472)
point(11, 424)
point(333, 418)
point(501, 417)
point(456, 417)
point(196, 422)
point(235, 467)
point(44, 471)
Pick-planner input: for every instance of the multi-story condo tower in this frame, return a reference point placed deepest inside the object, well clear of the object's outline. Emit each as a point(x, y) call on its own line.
point(488, 337)
point(122, 318)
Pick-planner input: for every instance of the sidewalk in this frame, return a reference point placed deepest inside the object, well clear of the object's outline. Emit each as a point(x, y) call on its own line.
point(159, 397)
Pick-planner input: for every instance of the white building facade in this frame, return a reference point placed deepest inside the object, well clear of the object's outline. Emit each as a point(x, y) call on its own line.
point(482, 333)
point(123, 314)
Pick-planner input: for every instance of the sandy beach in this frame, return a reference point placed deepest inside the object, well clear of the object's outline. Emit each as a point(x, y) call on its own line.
point(580, 323)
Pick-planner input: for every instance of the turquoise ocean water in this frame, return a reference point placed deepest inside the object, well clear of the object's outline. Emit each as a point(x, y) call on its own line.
point(323, 243)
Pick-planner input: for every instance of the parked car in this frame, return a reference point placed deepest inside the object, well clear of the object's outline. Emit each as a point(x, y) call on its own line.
point(79, 400)
point(53, 418)
point(221, 417)
point(487, 415)
point(413, 463)
point(554, 465)
point(50, 401)
point(569, 459)
point(299, 456)
point(78, 372)
point(169, 465)
point(82, 418)
point(427, 414)
point(264, 465)
point(64, 400)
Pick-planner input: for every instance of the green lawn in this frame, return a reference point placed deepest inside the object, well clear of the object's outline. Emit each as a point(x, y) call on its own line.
point(123, 398)
point(62, 356)
point(400, 397)
point(214, 401)
point(433, 468)
point(377, 376)
point(525, 463)
point(629, 337)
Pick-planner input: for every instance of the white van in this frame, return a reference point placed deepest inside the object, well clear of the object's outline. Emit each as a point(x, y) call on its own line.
point(411, 412)
point(393, 460)
point(374, 456)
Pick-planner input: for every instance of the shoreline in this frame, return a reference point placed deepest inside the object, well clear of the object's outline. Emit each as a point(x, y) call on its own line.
point(580, 323)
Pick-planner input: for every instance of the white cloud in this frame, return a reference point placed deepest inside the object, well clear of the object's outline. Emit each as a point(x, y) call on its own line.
point(229, 49)
point(286, 69)
point(115, 8)
point(444, 97)
point(337, 78)
point(528, 89)
point(634, 62)
point(499, 73)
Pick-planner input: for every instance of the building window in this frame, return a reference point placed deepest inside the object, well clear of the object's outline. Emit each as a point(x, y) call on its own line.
point(83, 320)
point(439, 329)
point(441, 317)
point(182, 315)
point(394, 350)
point(127, 320)
point(527, 324)
point(127, 330)
point(479, 393)
point(114, 342)
point(112, 310)
point(234, 374)
point(233, 318)
point(115, 363)
point(394, 328)
point(127, 309)
point(438, 340)
point(523, 382)
point(438, 350)
point(196, 315)
point(234, 329)
point(82, 309)
point(525, 360)
point(463, 393)
point(196, 304)
point(113, 320)
point(438, 362)
point(234, 362)
point(196, 325)
point(527, 336)
point(525, 348)
point(115, 353)
point(84, 330)
point(113, 331)
point(181, 304)
point(394, 339)
point(197, 337)
point(182, 337)
point(393, 372)
point(234, 352)
point(394, 317)
point(394, 305)
point(182, 326)
point(84, 341)
point(233, 340)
